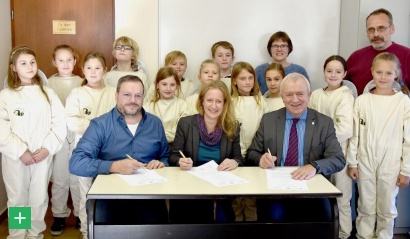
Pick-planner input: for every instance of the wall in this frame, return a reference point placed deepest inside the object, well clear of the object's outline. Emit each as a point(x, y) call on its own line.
point(5, 48)
point(138, 19)
point(353, 22)
point(312, 25)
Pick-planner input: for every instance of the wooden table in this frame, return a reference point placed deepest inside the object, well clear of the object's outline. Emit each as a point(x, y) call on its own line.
point(183, 185)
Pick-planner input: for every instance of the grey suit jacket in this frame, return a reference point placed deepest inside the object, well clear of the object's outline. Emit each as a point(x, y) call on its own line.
point(187, 140)
point(321, 145)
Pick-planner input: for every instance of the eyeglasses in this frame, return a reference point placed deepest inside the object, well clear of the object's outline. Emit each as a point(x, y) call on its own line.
point(127, 48)
point(379, 29)
point(128, 96)
point(283, 47)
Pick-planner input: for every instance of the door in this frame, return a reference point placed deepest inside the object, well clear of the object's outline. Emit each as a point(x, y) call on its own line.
point(32, 26)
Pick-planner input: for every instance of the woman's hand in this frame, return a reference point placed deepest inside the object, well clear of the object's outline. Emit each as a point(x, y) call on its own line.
point(228, 165)
point(185, 163)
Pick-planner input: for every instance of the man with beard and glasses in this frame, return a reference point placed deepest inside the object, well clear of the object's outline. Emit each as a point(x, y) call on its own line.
point(126, 130)
point(379, 28)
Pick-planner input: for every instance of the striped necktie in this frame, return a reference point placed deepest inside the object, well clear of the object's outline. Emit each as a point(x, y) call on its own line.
point(292, 155)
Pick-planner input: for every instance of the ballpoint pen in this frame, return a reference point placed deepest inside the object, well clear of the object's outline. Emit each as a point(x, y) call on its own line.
point(182, 154)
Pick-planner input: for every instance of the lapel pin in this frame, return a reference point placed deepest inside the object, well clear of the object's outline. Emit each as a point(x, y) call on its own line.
point(313, 123)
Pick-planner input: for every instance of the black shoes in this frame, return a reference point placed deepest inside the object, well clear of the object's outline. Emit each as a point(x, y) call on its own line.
point(77, 223)
point(58, 226)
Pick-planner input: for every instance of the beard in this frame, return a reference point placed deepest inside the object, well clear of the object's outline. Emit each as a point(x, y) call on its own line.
point(130, 112)
point(378, 43)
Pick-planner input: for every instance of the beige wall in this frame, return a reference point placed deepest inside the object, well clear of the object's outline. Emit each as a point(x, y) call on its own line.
point(138, 19)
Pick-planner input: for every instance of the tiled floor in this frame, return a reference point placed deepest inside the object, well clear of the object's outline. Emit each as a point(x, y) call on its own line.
point(69, 232)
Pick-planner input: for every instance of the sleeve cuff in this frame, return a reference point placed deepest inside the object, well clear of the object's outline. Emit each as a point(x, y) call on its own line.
point(104, 167)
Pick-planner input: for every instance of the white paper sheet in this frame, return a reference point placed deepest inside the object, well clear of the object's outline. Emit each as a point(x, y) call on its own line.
point(209, 173)
point(143, 177)
point(279, 178)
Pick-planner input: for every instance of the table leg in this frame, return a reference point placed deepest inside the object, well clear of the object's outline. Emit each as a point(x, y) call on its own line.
point(91, 218)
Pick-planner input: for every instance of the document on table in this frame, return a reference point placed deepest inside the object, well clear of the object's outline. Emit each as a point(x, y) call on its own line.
point(143, 177)
point(280, 178)
point(209, 173)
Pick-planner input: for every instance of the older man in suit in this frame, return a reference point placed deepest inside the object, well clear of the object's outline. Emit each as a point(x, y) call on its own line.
point(296, 136)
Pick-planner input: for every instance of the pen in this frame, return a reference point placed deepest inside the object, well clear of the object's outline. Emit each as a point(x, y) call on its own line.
point(269, 151)
point(182, 154)
point(129, 157)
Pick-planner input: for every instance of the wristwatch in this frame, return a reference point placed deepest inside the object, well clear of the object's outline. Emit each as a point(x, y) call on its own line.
point(316, 166)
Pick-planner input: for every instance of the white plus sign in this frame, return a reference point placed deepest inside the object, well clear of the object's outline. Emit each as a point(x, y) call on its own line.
point(19, 218)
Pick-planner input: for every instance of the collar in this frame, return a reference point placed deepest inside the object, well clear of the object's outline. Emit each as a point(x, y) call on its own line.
point(302, 117)
point(134, 67)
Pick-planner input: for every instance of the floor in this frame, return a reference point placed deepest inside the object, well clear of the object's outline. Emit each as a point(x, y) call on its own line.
point(69, 232)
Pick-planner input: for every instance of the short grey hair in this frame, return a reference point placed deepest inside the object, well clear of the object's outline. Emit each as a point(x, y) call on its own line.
point(294, 77)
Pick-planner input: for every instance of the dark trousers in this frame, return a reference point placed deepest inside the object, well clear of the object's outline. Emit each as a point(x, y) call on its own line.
point(294, 210)
point(200, 211)
point(130, 211)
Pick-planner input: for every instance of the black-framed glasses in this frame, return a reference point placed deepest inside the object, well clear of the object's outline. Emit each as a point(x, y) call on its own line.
point(379, 29)
point(125, 47)
point(283, 47)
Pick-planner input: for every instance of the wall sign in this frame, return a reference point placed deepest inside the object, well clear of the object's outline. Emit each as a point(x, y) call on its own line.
point(64, 27)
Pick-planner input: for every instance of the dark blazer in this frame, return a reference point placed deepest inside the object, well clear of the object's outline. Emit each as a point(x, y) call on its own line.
point(187, 140)
point(321, 144)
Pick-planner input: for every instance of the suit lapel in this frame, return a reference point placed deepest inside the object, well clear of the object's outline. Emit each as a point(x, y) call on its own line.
point(280, 128)
point(310, 128)
point(195, 141)
point(223, 148)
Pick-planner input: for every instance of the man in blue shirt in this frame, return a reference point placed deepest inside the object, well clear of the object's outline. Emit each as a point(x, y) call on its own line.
point(103, 149)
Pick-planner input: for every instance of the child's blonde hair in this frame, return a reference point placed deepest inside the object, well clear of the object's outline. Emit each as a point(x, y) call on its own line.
point(13, 79)
point(236, 70)
point(173, 55)
point(209, 61)
point(164, 73)
point(130, 42)
point(386, 56)
point(94, 55)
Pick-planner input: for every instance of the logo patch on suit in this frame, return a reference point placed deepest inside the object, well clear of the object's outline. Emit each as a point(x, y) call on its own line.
point(86, 111)
point(362, 122)
point(19, 112)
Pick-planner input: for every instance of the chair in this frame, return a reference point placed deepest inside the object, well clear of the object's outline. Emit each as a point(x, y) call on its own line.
point(40, 73)
point(371, 85)
point(351, 86)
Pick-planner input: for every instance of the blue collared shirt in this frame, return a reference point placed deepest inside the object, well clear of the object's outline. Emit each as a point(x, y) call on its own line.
point(108, 139)
point(300, 127)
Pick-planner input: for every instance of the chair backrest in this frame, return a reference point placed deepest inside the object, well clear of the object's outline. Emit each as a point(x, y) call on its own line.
point(371, 85)
point(40, 73)
point(351, 86)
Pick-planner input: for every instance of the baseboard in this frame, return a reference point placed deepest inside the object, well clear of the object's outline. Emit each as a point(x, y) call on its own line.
point(3, 216)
